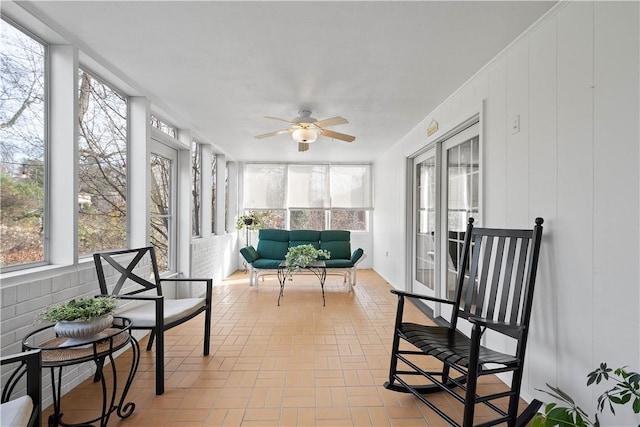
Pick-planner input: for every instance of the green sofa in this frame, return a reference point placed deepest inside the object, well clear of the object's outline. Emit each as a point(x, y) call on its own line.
point(273, 245)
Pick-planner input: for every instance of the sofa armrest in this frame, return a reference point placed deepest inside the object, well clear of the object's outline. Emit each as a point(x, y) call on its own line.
point(249, 254)
point(357, 256)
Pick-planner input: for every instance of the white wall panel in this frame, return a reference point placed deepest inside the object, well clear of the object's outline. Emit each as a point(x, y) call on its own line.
point(573, 231)
point(543, 175)
point(616, 188)
point(518, 142)
point(390, 201)
point(494, 147)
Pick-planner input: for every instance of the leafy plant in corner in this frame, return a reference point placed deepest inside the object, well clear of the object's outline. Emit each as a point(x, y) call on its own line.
point(83, 309)
point(250, 219)
point(626, 390)
point(301, 256)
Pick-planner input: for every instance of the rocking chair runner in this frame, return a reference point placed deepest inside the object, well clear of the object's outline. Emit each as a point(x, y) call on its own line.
point(494, 291)
point(155, 313)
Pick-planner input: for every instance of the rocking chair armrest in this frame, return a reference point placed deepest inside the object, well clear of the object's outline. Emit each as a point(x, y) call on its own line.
point(510, 329)
point(419, 296)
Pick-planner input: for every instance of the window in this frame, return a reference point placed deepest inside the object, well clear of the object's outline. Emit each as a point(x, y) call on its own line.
point(318, 197)
point(162, 218)
point(350, 196)
point(214, 171)
point(22, 148)
point(164, 127)
point(102, 166)
point(264, 193)
point(196, 188)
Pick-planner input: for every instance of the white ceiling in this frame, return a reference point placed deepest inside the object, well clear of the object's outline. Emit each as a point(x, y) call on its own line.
point(219, 67)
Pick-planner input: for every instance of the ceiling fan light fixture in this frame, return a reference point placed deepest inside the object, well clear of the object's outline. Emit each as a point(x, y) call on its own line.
point(305, 135)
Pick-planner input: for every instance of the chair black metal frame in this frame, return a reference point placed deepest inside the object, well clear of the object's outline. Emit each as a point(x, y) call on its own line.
point(30, 364)
point(494, 290)
point(128, 274)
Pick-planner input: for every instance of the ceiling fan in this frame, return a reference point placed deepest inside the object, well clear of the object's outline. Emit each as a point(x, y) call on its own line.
point(306, 129)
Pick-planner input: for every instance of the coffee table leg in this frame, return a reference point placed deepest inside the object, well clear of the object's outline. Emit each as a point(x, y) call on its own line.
point(282, 277)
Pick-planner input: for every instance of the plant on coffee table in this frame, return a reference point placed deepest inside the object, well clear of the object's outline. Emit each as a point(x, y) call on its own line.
point(301, 256)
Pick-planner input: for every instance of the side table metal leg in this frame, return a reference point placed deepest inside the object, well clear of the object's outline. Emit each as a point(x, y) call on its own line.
point(124, 410)
point(55, 419)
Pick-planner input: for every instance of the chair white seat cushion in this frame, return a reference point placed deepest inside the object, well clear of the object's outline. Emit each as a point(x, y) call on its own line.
point(144, 315)
point(16, 412)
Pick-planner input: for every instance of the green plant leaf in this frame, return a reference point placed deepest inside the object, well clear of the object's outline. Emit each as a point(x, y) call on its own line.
point(616, 400)
point(636, 405)
point(562, 417)
point(561, 395)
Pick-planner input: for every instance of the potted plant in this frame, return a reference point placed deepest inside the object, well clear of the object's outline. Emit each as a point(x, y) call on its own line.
point(248, 220)
point(301, 256)
point(82, 318)
point(626, 390)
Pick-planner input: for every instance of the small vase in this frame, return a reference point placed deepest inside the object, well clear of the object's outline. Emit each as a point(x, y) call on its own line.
point(79, 332)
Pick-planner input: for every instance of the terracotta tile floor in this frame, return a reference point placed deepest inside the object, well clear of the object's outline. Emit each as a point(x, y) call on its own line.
point(297, 364)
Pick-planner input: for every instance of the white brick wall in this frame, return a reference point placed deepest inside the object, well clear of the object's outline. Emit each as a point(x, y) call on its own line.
point(24, 294)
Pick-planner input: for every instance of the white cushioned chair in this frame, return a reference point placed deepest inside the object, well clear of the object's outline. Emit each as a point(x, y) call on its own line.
point(135, 278)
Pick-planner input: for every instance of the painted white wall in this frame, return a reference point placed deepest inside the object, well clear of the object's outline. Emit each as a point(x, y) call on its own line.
point(573, 78)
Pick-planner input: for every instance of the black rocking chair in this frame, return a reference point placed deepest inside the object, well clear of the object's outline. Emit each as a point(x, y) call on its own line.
point(494, 290)
point(135, 277)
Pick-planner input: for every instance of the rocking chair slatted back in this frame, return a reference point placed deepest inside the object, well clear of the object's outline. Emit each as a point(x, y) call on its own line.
point(495, 278)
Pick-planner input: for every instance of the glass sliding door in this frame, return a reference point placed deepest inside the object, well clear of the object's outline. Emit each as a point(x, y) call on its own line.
point(424, 223)
point(461, 200)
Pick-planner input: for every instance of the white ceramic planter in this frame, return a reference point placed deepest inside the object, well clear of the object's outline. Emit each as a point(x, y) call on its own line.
point(80, 332)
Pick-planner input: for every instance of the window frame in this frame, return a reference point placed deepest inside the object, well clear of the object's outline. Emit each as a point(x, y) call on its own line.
point(46, 135)
point(97, 77)
point(196, 185)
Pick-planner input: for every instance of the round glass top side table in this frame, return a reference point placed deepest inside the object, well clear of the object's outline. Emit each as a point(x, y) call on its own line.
point(56, 354)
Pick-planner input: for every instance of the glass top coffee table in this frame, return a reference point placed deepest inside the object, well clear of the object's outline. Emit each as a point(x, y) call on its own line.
point(318, 268)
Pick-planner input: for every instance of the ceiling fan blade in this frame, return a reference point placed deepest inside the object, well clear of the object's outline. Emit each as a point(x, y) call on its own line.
point(278, 132)
point(302, 146)
point(281, 120)
point(331, 122)
point(337, 135)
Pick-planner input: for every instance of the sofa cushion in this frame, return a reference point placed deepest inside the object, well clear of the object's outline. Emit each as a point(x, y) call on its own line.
point(338, 263)
point(304, 237)
point(16, 412)
point(357, 254)
point(249, 254)
point(273, 243)
point(266, 263)
point(273, 234)
point(337, 242)
point(335, 235)
point(144, 315)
